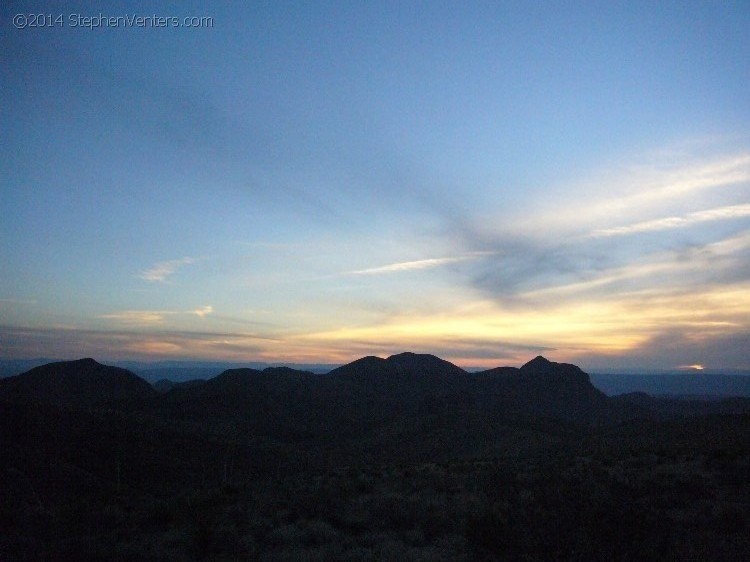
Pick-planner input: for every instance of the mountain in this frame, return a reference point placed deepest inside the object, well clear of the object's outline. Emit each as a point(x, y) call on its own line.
point(359, 396)
point(399, 369)
point(542, 388)
point(408, 457)
point(403, 378)
point(242, 387)
point(165, 385)
point(78, 383)
point(276, 403)
point(372, 392)
point(183, 371)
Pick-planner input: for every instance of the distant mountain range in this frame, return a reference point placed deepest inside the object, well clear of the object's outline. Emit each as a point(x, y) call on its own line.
point(363, 393)
point(166, 374)
point(697, 384)
point(176, 371)
point(408, 406)
point(405, 377)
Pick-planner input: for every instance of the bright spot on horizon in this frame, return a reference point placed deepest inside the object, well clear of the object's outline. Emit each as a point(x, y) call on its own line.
point(696, 367)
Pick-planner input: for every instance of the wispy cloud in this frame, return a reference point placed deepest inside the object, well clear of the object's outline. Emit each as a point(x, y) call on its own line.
point(134, 343)
point(647, 187)
point(720, 261)
point(138, 317)
point(666, 185)
point(415, 265)
point(577, 240)
point(162, 270)
point(631, 192)
point(720, 213)
point(154, 317)
point(203, 311)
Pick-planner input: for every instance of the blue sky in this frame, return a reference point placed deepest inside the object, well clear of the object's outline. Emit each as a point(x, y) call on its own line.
point(315, 182)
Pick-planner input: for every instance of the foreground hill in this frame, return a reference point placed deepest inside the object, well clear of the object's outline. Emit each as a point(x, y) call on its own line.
point(78, 383)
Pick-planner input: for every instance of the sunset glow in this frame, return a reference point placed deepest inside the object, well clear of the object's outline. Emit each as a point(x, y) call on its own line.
point(318, 183)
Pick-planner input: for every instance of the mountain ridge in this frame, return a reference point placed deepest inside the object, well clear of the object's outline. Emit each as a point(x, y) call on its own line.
point(82, 382)
point(409, 442)
point(369, 390)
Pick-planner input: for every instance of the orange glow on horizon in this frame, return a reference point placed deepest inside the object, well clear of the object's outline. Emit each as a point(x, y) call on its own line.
point(696, 367)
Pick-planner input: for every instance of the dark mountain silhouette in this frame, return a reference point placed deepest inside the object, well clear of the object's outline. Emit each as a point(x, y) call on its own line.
point(541, 365)
point(238, 386)
point(406, 406)
point(165, 385)
point(408, 457)
point(414, 365)
point(400, 379)
point(81, 383)
point(542, 387)
point(184, 371)
point(409, 406)
point(398, 384)
point(276, 402)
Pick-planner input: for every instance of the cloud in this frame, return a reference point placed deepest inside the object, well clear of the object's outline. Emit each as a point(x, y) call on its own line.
point(154, 317)
point(672, 347)
point(162, 270)
point(414, 265)
point(567, 242)
point(72, 343)
point(720, 213)
point(517, 264)
point(467, 352)
point(667, 184)
point(648, 187)
point(138, 317)
point(204, 311)
point(693, 267)
point(630, 193)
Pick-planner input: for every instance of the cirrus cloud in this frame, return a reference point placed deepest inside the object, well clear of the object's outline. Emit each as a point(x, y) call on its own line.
point(416, 264)
point(153, 317)
point(159, 272)
point(719, 213)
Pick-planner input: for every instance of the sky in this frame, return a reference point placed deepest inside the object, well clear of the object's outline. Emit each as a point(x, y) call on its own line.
point(320, 181)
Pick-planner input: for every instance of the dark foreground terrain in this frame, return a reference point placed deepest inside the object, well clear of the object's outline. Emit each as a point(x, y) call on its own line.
point(405, 458)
